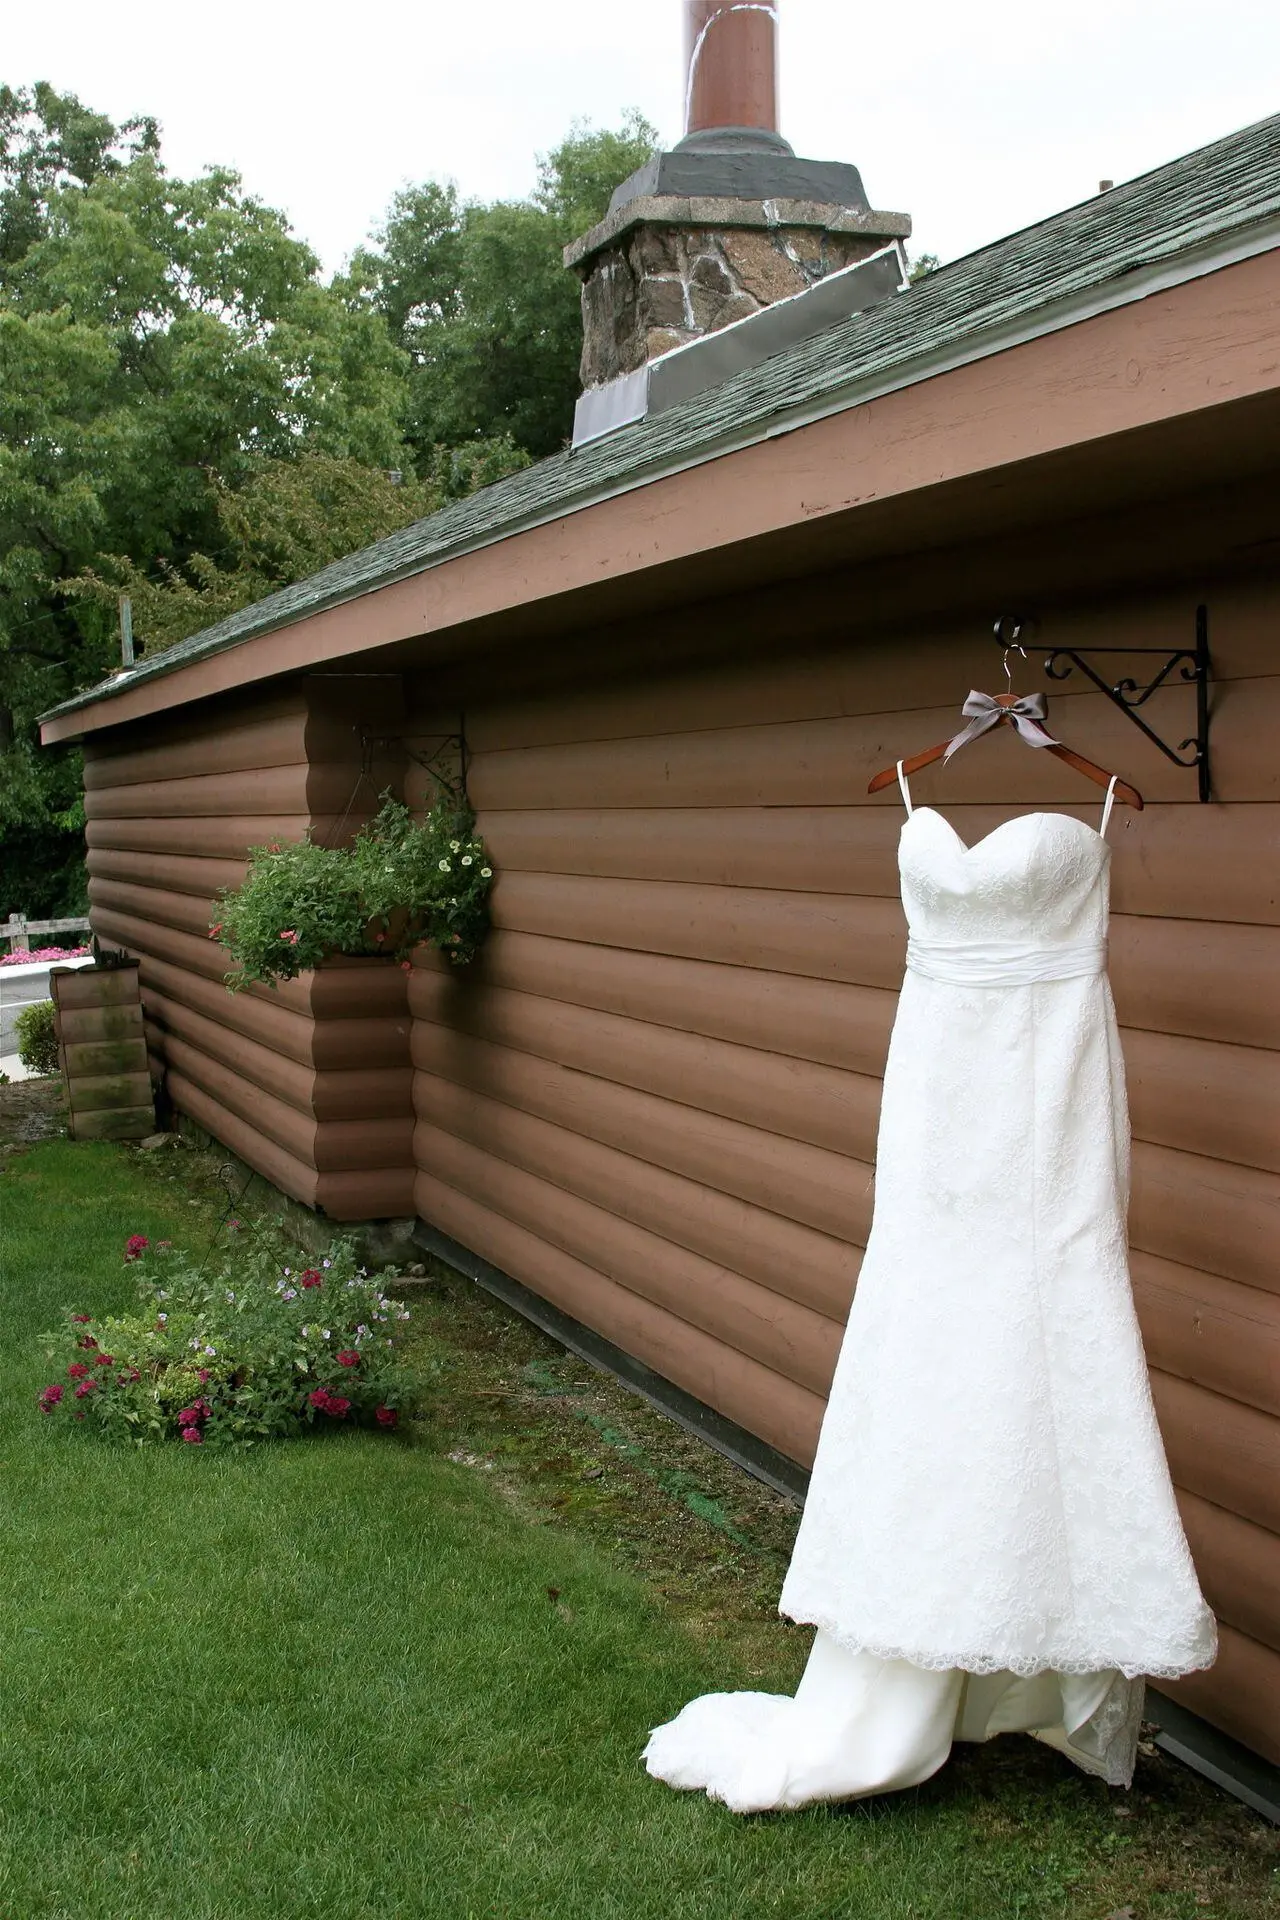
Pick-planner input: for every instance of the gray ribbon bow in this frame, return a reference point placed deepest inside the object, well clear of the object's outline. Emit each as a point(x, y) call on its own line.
point(1026, 715)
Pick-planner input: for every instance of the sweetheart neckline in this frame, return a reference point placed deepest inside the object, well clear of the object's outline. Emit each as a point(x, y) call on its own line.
point(1039, 814)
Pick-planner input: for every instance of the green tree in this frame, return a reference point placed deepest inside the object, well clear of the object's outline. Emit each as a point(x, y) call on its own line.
point(154, 332)
point(478, 297)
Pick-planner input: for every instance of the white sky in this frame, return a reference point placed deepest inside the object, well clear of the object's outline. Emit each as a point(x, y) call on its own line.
point(975, 119)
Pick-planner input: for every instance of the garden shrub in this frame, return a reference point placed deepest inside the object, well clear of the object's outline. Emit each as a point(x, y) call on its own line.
point(37, 1037)
point(399, 883)
point(246, 1348)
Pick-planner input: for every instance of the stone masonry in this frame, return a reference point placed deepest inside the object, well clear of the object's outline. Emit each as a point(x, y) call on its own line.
point(664, 269)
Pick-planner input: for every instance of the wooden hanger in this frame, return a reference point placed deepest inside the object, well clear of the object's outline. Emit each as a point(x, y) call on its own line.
point(1091, 770)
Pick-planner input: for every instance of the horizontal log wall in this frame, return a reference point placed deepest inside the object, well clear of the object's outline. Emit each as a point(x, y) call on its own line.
point(311, 1083)
point(654, 1098)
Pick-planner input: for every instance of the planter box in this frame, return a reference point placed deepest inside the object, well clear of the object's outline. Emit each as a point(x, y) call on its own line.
point(102, 1048)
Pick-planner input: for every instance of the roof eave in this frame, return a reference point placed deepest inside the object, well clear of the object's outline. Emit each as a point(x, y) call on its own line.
point(1163, 273)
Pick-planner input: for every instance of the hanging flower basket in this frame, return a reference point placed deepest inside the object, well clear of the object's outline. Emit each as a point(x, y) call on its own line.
point(398, 884)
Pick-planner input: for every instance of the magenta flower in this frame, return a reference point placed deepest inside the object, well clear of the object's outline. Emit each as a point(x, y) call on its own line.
point(78, 1369)
point(104, 1360)
point(311, 1278)
point(386, 1416)
point(349, 1358)
point(86, 1340)
point(332, 1403)
point(50, 1397)
point(194, 1435)
point(85, 1387)
point(82, 1319)
point(135, 1246)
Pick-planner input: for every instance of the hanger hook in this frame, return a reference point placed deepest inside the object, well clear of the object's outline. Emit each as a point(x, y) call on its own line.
point(1012, 647)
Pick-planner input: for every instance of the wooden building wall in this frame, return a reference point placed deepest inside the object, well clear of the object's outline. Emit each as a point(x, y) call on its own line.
point(654, 1099)
point(309, 1083)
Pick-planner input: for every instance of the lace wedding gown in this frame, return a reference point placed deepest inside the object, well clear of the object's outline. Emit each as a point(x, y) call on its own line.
point(990, 1541)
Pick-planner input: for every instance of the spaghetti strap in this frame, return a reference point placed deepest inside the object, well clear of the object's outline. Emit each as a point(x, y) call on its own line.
point(1110, 802)
point(906, 792)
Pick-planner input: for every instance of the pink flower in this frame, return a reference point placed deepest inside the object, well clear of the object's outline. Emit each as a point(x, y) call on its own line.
point(289, 937)
point(194, 1435)
point(188, 1416)
point(105, 1360)
point(320, 1398)
point(349, 1358)
point(78, 1369)
point(135, 1246)
point(406, 966)
point(203, 1375)
point(311, 1278)
point(86, 1386)
point(386, 1416)
point(50, 1397)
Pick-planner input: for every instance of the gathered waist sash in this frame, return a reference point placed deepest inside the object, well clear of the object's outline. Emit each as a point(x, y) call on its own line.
point(1004, 963)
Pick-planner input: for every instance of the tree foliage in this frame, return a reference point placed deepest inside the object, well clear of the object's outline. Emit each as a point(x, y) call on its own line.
point(190, 414)
point(478, 297)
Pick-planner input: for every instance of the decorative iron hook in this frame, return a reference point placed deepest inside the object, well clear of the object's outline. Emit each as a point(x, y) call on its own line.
point(1190, 664)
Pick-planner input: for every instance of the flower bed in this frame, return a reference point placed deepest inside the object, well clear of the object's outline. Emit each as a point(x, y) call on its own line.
point(234, 1352)
point(41, 956)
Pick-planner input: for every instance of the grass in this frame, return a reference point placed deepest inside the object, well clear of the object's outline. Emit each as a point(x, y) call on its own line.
point(411, 1677)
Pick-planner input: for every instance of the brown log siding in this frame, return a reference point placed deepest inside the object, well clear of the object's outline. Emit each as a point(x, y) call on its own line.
point(310, 1083)
point(654, 1099)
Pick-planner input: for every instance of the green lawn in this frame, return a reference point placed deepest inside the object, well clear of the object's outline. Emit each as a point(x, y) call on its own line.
point(328, 1679)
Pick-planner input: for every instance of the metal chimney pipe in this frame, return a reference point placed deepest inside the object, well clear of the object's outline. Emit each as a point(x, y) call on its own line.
point(730, 65)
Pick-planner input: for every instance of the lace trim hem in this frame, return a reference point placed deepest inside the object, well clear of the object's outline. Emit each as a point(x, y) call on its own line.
point(982, 1663)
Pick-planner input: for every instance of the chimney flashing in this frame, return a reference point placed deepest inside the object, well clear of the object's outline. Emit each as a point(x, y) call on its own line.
point(684, 371)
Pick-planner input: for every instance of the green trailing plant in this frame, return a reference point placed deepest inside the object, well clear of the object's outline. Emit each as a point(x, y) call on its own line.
point(37, 1037)
point(401, 882)
point(232, 1352)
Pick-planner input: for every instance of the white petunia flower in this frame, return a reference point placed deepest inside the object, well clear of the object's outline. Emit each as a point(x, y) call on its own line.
point(486, 873)
point(466, 859)
point(445, 867)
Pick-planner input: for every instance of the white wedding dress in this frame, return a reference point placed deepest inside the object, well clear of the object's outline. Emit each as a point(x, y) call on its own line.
point(990, 1541)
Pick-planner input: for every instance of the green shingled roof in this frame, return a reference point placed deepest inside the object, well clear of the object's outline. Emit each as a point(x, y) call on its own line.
point(1204, 198)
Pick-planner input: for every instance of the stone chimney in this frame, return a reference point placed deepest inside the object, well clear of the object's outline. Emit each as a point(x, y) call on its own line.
point(729, 221)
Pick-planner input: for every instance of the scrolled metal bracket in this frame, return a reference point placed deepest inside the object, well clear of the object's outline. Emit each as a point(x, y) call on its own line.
point(1188, 665)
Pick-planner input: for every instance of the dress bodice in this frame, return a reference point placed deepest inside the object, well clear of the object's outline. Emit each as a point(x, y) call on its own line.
point(1039, 880)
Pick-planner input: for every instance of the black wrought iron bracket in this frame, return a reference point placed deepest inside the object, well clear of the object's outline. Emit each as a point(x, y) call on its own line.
point(1189, 665)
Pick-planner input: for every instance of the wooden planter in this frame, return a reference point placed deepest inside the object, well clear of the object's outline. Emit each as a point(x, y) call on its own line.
point(102, 1049)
